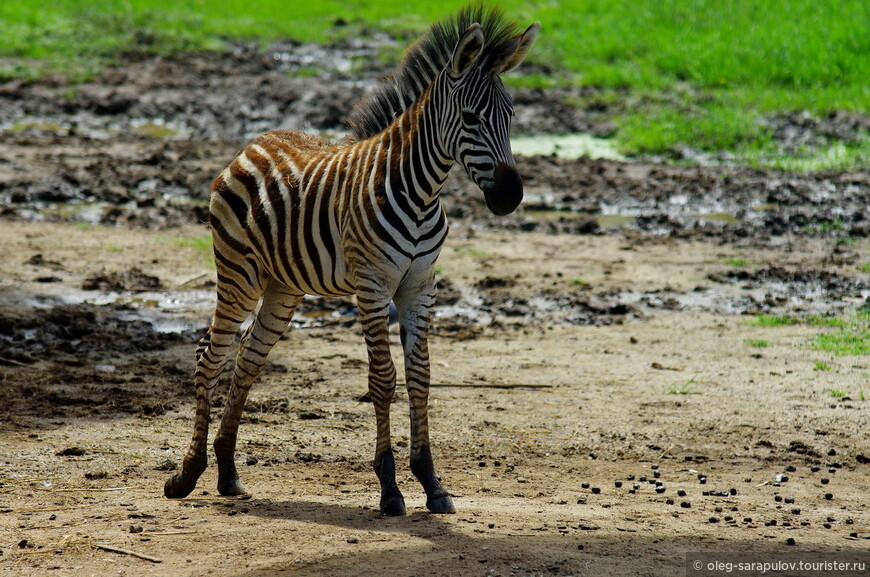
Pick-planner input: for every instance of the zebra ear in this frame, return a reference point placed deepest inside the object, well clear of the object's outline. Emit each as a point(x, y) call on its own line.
point(467, 49)
point(524, 43)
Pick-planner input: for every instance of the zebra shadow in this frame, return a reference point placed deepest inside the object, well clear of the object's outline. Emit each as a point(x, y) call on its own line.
point(418, 521)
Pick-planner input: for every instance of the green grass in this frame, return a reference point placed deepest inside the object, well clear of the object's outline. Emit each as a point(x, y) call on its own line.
point(757, 343)
point(851, 337)
point(822, 366)
point(845, 342)
point(681, 388)
point(201, 245)
point(671, 73)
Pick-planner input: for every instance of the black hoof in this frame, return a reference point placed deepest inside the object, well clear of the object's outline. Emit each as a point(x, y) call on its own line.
point(232, 488)
point(393, 506)
point(178, 487)
point(440, 505)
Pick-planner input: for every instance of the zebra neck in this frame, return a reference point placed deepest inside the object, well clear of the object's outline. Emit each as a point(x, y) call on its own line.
point(419, 165)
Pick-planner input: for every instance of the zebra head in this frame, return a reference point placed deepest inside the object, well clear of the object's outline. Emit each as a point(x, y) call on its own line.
point(480, 129)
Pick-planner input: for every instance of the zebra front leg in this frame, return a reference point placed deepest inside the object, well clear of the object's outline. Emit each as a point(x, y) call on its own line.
point(414, 316)
point(275, 314)
point(374, 316)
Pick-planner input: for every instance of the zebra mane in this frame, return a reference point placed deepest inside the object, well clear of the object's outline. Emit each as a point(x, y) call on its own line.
point(421, 64)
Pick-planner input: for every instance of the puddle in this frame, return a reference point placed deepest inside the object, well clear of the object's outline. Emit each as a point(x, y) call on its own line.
point(570, 146)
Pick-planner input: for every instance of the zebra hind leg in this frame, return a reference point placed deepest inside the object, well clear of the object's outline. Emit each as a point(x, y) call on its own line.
point(231, 311)
point(271, 322)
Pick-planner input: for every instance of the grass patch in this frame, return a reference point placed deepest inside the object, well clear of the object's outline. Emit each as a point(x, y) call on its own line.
point(202, 245)
point(737, 262)
point(768, 321)
point(757, 343)
point(837, 394)
point(578, 282)
point(844, 343)
point(822, 366)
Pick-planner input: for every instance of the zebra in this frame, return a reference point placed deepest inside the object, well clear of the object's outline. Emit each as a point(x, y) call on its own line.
point(292, 215)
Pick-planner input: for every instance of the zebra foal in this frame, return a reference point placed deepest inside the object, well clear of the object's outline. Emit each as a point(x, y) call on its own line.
point(292, 216)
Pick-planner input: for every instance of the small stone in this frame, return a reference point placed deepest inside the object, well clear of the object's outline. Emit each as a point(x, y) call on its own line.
point(585, 484)
point(654, 466)
point(686, 505)
point(780, 478)
point(596, 490)
point(790, 541)
point(135, 528)
point(829, 496)
point(713, 520)
point(681, 492)
point(825, 481)
point(617, 484)
point(353, 540)
point(251, 460)
point(491, 525)
point(791, 469)
point(660, 489)
point(777, 498)
point(732, 491)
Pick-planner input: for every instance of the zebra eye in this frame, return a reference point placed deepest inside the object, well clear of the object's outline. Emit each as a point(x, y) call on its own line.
point(469, 118)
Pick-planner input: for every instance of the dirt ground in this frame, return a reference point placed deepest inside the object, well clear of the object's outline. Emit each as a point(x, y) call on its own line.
point(600, 403)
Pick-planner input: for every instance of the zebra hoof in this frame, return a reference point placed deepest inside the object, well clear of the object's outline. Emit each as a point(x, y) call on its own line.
point(440, 505)
point(393, 506)
point(232, 488)
point(178, 487)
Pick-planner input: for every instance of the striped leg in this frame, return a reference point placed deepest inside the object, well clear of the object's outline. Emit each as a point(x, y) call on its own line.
point(414, 315)
point(271, 322)
point(374, 316)
point(233, 308)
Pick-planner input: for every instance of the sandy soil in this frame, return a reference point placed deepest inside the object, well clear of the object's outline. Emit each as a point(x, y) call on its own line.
point(590, 346)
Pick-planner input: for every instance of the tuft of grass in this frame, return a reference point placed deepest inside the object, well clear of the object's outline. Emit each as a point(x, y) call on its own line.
point(737, 262)
point(822, 366)
point(681, 388)
point(773, 321)
point(758, 343)
point(837, 394)
point(578, 282)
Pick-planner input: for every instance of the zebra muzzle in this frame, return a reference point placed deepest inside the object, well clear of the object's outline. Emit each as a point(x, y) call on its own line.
point(505, 194)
